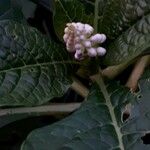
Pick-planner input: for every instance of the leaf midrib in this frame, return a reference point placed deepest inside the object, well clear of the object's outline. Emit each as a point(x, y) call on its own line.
point(39, 65)
point(111, 110)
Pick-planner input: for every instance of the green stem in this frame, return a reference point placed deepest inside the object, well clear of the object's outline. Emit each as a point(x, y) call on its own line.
point(96, 16)
point(99, 80)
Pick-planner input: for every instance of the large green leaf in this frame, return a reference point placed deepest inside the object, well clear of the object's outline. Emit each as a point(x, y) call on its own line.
point(130, 18)
point(4, 6)
point(18, 10)
point(33, 69)
point(8, 10)
point(119, 15)
point(98, 124)
point(26, 7)
point(130, 44)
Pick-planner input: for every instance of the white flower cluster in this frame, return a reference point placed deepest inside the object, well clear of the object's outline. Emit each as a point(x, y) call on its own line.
point(79, 40)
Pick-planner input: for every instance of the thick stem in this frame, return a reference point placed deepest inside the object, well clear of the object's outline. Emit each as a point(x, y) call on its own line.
point(78, 87)
point(113, 71)
point(137, 72)
point(51, 109)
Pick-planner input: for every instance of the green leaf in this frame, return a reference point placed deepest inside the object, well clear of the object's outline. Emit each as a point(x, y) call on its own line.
point(130, 44)
point(98, 124)
point(4, 6)
point(8, 10)
point(102, 7)
point(33, 69)
point(129, 18)
point(26, 7)
point(71, 11)
point(16, 10)
point(119, 15)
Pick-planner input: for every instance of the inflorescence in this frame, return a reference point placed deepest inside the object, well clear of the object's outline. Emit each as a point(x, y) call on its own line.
point(80, 40)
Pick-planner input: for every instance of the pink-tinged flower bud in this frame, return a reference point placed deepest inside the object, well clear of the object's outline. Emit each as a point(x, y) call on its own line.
point(98, 38)
point(77, 39)
point(66, 30)
point(87, 44)
point(70, 39)
point(68, 24)
point(78, 55)
point(82, 37)
point(80, 26)
point(74, 24)
point(70, 49)
point(70, 46)
point(78, 46)
point(78, 33)
point(103, 37)
point(65, 37)
point(88, 30)
point(101, 51)
point(92, 52)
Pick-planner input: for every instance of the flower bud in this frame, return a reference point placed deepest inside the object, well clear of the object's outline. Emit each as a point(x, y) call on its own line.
point(78, 33)
point(101, 51)
point(77, 39)
point(78, 46)
point(98, 38)
point(82, 37)
point(88, 30)
point(103, 38)
point(66, 30)
point(78, 55)
point(70, 46)
point(80, 26)
point(65, 37)
point(87, 44)
point(74, 24)
point(92, 52)
point(71, 38)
